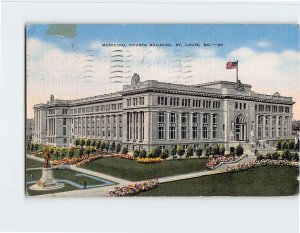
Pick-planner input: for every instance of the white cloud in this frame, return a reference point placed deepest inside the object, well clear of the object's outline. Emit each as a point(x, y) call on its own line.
point(52, 71)
point(263, 44)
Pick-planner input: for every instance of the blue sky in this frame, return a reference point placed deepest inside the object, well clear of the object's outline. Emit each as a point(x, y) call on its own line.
point(268, 58)
point(281, 37)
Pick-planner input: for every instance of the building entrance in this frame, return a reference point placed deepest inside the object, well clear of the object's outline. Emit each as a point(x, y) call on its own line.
point(240, 128)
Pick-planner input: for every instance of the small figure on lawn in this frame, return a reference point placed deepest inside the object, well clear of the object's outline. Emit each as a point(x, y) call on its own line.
point(84, 184)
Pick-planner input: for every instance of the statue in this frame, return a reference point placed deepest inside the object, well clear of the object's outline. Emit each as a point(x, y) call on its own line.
point(47, 159)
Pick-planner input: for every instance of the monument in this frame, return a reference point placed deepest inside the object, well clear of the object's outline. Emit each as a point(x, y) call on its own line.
point(47, 181)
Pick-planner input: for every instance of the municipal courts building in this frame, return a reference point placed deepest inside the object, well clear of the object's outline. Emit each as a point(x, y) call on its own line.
point(152, 113)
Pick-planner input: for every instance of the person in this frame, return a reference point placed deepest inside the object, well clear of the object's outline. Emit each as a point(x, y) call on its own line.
point(84, 184)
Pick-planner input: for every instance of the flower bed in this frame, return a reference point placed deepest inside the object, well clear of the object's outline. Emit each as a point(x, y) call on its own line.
point(127, 156)
point(216, 160)
point(149, 160)
point(36, 153)
point(260, 163)
point(134, 189)
point(77, 161)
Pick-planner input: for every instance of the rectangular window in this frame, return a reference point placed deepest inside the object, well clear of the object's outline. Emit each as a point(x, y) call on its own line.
point(214, 131)
point(183, 132)
point(172, 132)
point(195, 118)
point(205, 132)
point(161, 117)
point(161, 132)
point(64, 121)
point(195, 132)
point(184, 118)
point(172, 118)
point(64, 131)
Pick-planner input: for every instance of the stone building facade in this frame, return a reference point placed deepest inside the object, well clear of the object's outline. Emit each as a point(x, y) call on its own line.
point(152, 113)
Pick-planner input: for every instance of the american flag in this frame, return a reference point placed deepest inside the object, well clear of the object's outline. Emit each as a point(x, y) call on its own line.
point(231, 65)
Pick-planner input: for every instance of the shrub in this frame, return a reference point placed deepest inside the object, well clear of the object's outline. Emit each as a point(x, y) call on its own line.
point(279, 144)
point(268, 156)
point(81, 142)
point(286, 154)
point(80, 152)
point(275, 156)
point(113, 146)
point(297, 145)
point(93, 142)
point(107, 146)
point(88, 150)
point(118, 148)
point(155, 151)
point(239, 150)
point(221, 149)
point(295, 156)
point(150, 154)
point(173, 151)
point(180, 151)
point(76, 142)
point(259, 157)
point(63, 152)
point(124, 150)
point(143, 153)
point(98, 144)
point(284, 145)
point(87, 142)
point(164, 153)
point(71, 152)
point(207, 151)
point(136, 153)
point(189, 151)
point(291, 144)
point(215, 149)
point(103, 145)
point(199, 151)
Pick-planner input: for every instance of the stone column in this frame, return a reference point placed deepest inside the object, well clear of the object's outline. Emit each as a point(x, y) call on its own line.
point(125, 126)
point(211, 125)
point(270, 126)
point(140, 126)
point(190, 126)
point(276, 126)
point(200, 120)
point(167, 124)
point(264, 126)
point(179, 126)
point(256, 126)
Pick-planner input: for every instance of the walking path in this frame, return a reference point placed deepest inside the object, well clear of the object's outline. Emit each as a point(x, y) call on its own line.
point(89, 172)
point(103, 191)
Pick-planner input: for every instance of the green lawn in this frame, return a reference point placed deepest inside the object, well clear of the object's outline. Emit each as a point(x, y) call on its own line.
point(34, 175)
point(260, 181)
point(134, 171)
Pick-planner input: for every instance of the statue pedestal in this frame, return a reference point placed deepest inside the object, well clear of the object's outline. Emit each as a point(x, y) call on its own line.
point(47, 182)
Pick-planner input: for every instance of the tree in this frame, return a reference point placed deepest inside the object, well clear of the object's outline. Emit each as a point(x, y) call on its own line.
point(275, 156)
point(98, 144)
point(221, 149)
point(295, 157)
point(63, 152)
point(291, 144)
point(118, 147)
point(180, 151)
point(136, 153)
point(143, 153)
point(268, 155)
point(76, 142)
point(80, 152)
point(207, 151)
point(239, 150)
point(164, 153)
point(189, 151)
point(51, 150)
point(93, 142)
point(87, 142)
point(173, 151)
point(284, 145)
point(113, 146)
point(297, 145)
point(215, 149)
point(81, 142)
point(56, 152)
point(124, 150)
point(103, 145)
point(286, 154)
point(71, 152)
point(88, 150)
point(107, 146)
point(199, 151)
point(155, 151)
point(259, 157)
point(279, 144)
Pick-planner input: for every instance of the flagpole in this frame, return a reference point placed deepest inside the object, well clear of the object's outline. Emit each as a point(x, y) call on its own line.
point(237, 71)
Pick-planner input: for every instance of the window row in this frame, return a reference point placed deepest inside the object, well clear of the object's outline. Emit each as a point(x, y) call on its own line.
point(271, 108)
point(98, 108)
point(136, 101)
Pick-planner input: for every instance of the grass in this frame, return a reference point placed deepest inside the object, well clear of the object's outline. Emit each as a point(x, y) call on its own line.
point(260, 181)
point(134, 171)
point(34, 175)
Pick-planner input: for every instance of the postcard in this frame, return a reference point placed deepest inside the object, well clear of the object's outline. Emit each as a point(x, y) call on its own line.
point(117, 110)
